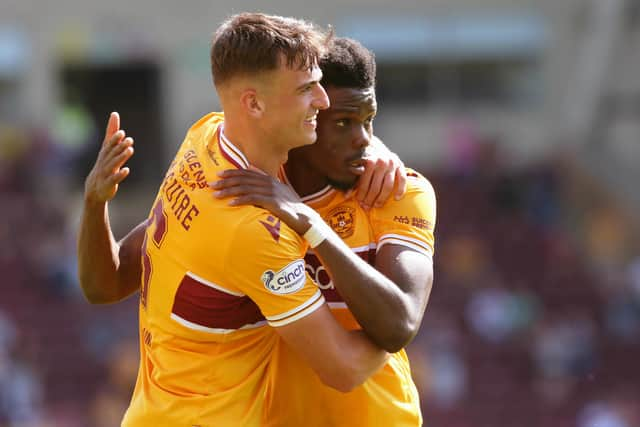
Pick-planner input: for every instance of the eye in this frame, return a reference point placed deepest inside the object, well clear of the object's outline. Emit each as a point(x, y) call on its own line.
point(369, 121)
point(307, 88)
point(342, 122)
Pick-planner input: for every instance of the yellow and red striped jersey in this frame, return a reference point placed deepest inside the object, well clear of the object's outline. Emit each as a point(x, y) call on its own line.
point(389, 397)
point(215, 278)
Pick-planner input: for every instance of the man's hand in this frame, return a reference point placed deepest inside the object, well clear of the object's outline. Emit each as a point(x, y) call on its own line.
point(384, 173)
point(254, 188)
point(102, 182)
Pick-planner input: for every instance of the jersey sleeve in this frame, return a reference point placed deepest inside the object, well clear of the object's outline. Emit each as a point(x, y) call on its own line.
point(266, 262)
point(410, 221)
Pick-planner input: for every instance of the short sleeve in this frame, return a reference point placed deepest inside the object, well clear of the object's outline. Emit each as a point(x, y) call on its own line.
point(410, 221)
point(266, 262)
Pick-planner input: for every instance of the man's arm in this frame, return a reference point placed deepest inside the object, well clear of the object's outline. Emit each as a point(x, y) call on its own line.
point(104, 269)
point(388, 307)
point(342, 359)
point(388, 301)
point(267, 266)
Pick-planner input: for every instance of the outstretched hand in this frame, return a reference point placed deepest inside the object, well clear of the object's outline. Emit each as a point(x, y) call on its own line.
point(248, 187)
point(108, 172)
point(384, 175)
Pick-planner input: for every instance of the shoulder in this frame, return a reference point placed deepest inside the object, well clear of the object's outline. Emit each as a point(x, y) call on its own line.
point(257, 230)
point(415, 211)
point(203, 130)
point(420, 195)
point(418, 183)
point(206, 122)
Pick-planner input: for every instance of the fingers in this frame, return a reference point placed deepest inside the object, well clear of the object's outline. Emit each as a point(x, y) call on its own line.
point(228, 173)
point(385, 190)
point(237, 185)
point(113, 125)
point(375, 186)
point(112, 149)
point(119, 158)
point(241, 180)
point(401, 183)
point(112, 141)
point(109, 169)
point(118, 177)
point(244, 183)
point(364, 182)
point(232, 181)
point(249, 199)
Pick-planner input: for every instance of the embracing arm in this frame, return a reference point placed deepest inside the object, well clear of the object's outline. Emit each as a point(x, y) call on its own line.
point(342, 359)
point(388, 301)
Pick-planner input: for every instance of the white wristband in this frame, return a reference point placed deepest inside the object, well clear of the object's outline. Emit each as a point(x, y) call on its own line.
point(316, 234)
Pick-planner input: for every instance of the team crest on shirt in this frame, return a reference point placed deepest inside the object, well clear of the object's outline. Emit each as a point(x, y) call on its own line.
point(286, 281)
point(342, 220)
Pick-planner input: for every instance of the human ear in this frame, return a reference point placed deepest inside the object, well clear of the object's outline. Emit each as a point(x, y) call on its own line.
point(252, 103)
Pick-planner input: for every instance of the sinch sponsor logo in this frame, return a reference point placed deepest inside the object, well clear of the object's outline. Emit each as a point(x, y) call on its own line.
point(287, 280)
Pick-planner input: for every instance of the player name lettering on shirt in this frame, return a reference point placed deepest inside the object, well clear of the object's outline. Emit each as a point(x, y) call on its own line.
point(183, 209)
point(190, 170)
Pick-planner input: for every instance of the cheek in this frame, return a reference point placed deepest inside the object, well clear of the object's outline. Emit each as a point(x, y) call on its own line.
point(340, 146)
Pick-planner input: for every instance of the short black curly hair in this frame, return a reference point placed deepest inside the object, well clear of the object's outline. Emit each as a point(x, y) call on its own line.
point(347, 63)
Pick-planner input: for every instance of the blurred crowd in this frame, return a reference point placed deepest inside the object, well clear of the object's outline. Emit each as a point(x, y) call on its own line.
point(535, 314)
point(534, 317)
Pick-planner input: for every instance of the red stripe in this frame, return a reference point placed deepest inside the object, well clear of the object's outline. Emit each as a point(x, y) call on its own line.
point(223, 150)
point(322, 277)
point(228, 157)
point(146, 271)
point(209, 307)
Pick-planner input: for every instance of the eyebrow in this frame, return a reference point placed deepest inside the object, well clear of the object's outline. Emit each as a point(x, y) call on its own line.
point(345, 109)
point(307, 83)
point(351, 109)
point(310, 81)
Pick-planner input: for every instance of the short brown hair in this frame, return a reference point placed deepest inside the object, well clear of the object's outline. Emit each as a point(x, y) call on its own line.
point(249, 43)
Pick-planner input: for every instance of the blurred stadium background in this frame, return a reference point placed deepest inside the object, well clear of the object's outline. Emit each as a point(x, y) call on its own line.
point(525, 114)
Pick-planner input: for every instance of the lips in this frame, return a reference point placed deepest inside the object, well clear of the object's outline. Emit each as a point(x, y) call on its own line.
point(312, 120)
point(355, 164)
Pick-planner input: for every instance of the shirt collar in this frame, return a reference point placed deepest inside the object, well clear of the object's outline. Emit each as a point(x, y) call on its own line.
point(231, 152)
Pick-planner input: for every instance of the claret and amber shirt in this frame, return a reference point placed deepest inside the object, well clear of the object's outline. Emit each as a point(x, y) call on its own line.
point(216, 280)
point(389, 397)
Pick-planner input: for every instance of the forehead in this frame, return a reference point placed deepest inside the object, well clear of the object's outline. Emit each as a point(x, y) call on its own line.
point(352, 100)
point(296, 75)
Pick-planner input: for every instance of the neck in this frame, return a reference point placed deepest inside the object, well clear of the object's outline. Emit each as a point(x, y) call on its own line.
point(260, 152)
point(303, 177)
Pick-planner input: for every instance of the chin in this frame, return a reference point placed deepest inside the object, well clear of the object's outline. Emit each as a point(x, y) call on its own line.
point(342, 184)
point(304, 140)
point(312, 138)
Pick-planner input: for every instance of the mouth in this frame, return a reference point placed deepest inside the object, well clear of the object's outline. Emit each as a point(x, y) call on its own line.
point(356, 164)
point(312, 120)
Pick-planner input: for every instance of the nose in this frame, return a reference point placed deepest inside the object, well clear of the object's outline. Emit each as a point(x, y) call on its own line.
point(361, 137)
point(321, 99)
